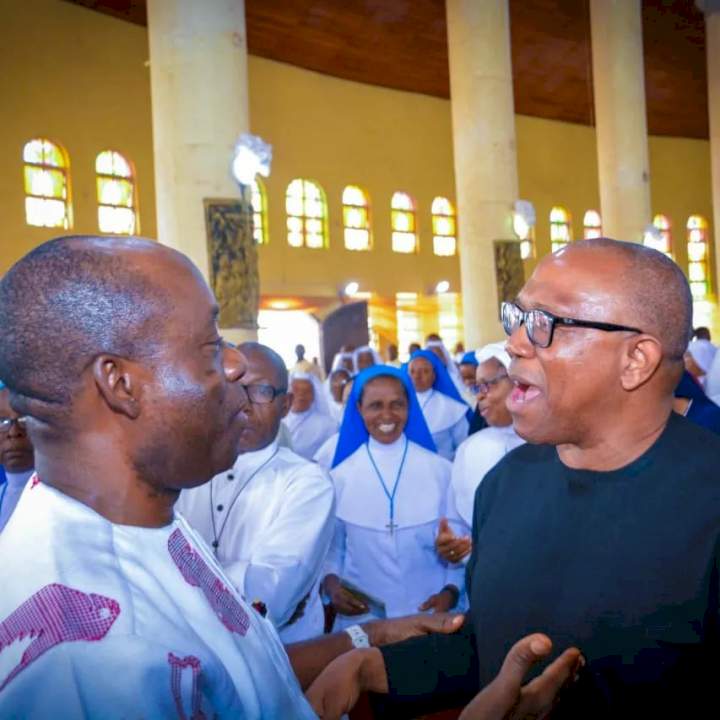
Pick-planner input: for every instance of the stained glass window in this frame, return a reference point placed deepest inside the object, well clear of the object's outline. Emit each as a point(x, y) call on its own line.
point(306, 209)
point(356, 218)
point(117, 212)
point(663, 241)
point(404, 232)
point(47, 184)
point(560, 228)
point(698, 265)
point(258, 198)
point(592, 225)
point(444, 227)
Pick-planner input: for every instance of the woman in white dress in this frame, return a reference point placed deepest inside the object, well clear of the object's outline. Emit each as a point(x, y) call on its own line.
point(391, 493)
point(446, 413)
point(309, 421)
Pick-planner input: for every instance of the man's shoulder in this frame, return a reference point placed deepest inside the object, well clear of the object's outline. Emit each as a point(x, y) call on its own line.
point(299, 469)
point(488, 440)
point(698, 447)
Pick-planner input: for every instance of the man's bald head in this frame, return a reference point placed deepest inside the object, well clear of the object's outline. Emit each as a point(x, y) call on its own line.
point(652, 288)
point(70, 300)
point(255, 351)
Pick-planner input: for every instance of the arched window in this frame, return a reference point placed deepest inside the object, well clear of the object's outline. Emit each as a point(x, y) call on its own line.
point(306, 209)
point(444, 227)
point(698, 265)
point(592, 225)
point(47, 184)
point(258, 199)
point(356, 218)
point(404, 232)
point(116, 194)
point(560, 228)
point(663, 241)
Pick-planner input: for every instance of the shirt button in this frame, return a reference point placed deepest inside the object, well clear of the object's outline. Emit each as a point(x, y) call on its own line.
point(230, 476)
point(220, 507)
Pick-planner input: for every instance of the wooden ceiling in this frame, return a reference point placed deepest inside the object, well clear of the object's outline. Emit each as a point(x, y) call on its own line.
point(402, 44)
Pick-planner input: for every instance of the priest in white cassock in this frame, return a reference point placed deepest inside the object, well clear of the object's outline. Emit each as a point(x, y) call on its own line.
point(392, 490)
point(309, 421)
point(270, 517)
point(446, 414)
point(112, 606)
point(16, 457)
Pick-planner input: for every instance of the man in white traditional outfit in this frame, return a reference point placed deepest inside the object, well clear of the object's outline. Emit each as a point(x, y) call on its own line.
point(445, 411)
point(270, 517)
point(112, 606)
point(16, 457)
point(391, 490)
point(309, 421)
point(303, 365)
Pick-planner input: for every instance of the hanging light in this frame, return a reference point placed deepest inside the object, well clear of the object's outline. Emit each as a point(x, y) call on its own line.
point(351, 289)
point(442, 287)
point(251, 156)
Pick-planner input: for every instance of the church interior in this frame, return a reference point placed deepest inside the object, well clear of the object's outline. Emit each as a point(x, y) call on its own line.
point(382, 188)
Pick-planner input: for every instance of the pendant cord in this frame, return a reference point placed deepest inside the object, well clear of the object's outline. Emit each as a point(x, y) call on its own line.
point(390, 496)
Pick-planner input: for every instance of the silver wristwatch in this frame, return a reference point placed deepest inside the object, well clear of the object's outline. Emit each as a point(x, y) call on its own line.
point(358, 636)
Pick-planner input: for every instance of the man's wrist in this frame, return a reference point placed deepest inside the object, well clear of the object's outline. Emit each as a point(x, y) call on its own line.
point(453, 591)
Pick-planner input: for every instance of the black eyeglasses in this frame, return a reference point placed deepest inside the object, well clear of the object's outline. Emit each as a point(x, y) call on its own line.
point(6, 423)
point(540, 324)
point(485, 387)
point(262, 394)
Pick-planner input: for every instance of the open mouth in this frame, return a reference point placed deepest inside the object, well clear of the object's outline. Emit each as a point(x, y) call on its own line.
point(387, 428)
point(522, 394)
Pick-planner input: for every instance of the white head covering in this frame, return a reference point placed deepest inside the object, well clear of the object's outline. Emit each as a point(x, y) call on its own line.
point(366, 349)
point(453, 371)
point(337, 362)
point(493, 350)
point(703, 353)
point(320, 402)
point(712, 379)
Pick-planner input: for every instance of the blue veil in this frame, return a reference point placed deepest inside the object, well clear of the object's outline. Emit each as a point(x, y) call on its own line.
point(469, 358)
point(353, 433)
point(443, 382)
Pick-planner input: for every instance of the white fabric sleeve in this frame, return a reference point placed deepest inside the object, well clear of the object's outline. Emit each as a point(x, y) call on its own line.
point(336, 554)
point(459, 432)
point(290, 553)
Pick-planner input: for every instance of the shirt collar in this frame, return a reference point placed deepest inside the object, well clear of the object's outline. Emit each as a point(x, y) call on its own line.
point(250, 461)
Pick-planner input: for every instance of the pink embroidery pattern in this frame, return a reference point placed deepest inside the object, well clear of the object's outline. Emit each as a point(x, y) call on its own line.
point(177, 665)
point(197, 573)
point(34, 481)
point(53, 615)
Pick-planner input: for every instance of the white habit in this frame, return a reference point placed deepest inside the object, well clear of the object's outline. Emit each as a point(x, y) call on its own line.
point(272, 514)
point(400, 568)
point(10, 492)
point(447, 420)
point(309, 430)
point(326, 454)
point(474, 458)
point(109, 621)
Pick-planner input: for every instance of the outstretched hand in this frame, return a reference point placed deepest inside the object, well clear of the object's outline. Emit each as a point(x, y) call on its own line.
point(449, 546)
point(386, 632)
point(506, 698)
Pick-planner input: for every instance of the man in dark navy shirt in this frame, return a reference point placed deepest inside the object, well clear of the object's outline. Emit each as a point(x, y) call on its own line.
point(603, 533)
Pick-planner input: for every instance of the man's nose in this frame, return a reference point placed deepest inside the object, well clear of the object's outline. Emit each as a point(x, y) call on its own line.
point(234, 363)
point(518, 344)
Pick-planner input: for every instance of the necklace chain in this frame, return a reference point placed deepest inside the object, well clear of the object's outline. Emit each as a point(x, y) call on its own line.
point(390, 496)
point(217, 535)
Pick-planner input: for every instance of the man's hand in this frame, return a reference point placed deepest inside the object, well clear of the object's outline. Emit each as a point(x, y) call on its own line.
point(505, 698)
point(449, 546)
point(343, 600)
point(338, 687)
point(440, 602)
point(386, 632)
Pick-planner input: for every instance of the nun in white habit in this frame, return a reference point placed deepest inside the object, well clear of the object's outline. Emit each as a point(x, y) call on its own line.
point(365, 357)
point(391, 492)
point(443, 354)
point(309, 421)
point(446, 414)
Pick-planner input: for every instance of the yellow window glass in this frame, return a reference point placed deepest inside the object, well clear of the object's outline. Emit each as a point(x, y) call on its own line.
point(444, 227)
point(592, 225)
point(560, 228)
point(402, 220)
point(698, 269)
point(306, 209)
point(258, 199)
point(47, 184)
point(356, 218)
point(117, 211)
point(663, 242)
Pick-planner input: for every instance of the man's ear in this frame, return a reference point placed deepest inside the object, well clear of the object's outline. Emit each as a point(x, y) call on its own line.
point(118, 383)
point(287, 402)
point(642, 357)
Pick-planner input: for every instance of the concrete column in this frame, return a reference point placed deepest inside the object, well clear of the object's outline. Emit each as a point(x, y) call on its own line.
point(712, 45)
point(620, 118)
point(198, 74)
point(483, 121)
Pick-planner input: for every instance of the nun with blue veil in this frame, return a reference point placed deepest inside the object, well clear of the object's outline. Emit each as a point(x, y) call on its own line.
point(446, 413)
point(391, 490)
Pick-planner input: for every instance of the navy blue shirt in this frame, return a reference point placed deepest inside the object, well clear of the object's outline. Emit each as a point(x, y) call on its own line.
point(622, 564)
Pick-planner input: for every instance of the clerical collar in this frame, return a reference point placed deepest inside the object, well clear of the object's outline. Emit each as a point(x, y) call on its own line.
point(422, 395)
point(250, 461)
point(18, 479)
point(396, 447)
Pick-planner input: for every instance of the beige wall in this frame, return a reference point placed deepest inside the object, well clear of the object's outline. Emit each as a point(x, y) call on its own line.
point(80, 78)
